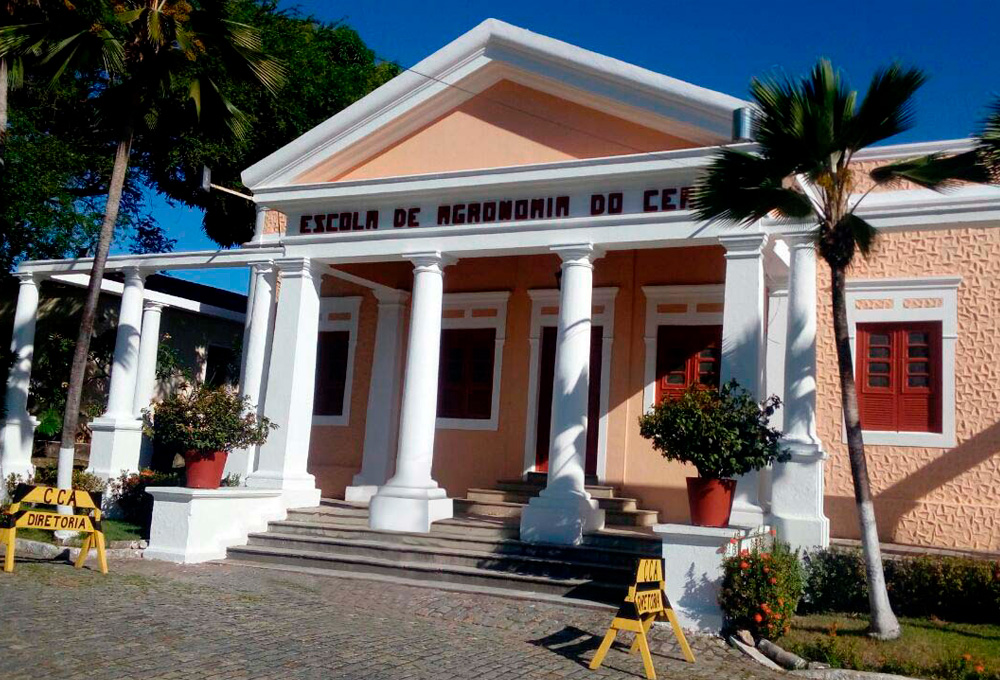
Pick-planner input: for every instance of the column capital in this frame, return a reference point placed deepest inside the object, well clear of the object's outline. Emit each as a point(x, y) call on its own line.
point(739, 246)
point(27, 278)
point(264, 267)
point(153, 306)
point(577, 254)
point(432, 261)
point(295, 267)
point(390, 297)
point(800, 240)
point(134, 273)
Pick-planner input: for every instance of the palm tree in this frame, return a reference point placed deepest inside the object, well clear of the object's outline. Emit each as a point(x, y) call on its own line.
point(149, 52)
point(807, 133)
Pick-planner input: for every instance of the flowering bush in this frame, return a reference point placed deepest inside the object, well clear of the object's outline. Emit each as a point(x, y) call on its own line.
point(724, 433)
point(206, 420)
point(128, 492)
point(761, 588)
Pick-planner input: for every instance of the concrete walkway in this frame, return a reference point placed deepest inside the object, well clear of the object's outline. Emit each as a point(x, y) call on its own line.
point(154, 620)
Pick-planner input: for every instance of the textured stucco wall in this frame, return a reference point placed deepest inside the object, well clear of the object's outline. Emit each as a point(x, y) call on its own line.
point(928, 496)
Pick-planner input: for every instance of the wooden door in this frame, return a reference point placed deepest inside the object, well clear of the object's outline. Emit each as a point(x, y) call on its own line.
point(685, 356)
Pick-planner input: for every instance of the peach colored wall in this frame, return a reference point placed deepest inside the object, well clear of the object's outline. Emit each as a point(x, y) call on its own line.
point(508, 124)
point(335, 451)
point(926, 496)
point(464, 459)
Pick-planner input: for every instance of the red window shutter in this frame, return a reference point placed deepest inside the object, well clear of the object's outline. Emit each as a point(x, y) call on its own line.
point(898, 376)
point(331, 373)
point(685, 356)
point(465, 376)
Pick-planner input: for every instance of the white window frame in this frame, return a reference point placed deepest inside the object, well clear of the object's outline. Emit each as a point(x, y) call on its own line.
point(462, 310)
point(892, 295)
point(690, 297)
point(341, 306)
point(545, 312)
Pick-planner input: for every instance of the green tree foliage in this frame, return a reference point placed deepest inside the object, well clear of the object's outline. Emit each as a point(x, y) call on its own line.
point(330, 67)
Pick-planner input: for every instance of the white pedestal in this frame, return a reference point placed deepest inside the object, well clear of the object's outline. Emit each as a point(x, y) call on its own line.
point(197, 525)
point(298, 491)
point(797, 498)
point(360, 494)
point(692, 558)
point(560, 519)
point(115, 446)
point(16, 439)
point(398, 513)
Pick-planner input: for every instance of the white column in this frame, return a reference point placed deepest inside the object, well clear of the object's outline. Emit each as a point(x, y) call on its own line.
point(382, 422)
point(149, 345)
point(256, 353)
point(743, 347)
point(797, 486)
point(564, 511)
point(412, 500)
point(291, 377)
point(19, 426)
point(117, 435)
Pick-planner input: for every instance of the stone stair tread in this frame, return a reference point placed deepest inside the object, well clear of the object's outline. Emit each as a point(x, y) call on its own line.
point(425, 567)
point(437, 550)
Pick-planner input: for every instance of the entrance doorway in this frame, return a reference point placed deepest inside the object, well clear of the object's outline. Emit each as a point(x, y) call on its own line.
point(546, 377)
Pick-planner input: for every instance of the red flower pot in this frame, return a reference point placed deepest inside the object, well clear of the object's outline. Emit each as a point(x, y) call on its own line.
point(710, 501)
point(204, 468)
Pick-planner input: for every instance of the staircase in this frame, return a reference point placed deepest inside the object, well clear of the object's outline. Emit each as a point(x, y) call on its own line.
point(473, 549)
point(510, 497)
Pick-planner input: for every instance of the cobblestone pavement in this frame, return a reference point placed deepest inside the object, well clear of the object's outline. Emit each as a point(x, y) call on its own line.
point(155, 620)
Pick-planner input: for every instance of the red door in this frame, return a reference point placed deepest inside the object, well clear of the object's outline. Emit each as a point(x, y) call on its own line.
point(546, 377)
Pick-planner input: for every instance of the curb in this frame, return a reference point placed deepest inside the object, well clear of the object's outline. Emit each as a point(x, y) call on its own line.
point(40, 550)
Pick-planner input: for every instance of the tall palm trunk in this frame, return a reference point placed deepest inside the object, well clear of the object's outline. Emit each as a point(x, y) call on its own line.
point(3, 110)
point(883, 621)
point(71, 417)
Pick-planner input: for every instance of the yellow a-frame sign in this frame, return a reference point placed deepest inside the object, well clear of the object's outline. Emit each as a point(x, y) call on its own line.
point(15, 518)
point(645, 603)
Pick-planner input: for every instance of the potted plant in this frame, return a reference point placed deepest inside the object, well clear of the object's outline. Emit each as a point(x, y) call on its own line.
point(724, 433)
point(205, 424)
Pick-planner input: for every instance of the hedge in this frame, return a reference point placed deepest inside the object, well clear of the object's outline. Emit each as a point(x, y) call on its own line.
point(949, 588)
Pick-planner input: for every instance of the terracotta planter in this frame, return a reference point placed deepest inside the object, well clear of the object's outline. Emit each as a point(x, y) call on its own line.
point(204, 469)
point(710, 500)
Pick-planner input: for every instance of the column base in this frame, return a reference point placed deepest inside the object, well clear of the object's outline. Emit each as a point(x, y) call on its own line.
point(115, 447)
point(746, 515)
point(17, 435)
point(562, 519)
point(360, 493)
point(240, 462)
point(296, 492)
point(797, 497)
point(408, 509)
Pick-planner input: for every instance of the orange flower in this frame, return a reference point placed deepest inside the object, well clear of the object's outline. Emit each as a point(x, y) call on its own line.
point(774, 532)
point(967, 657)
point(980, 668)
point(732, 540)
point(781, 602)
point(767, 570)
point(774, 581)
point(758, 618)
point(744, 552)
point(744, 565)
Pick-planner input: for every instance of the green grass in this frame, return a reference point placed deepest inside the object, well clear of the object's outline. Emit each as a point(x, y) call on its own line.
point(928, 648)
point(114, 530)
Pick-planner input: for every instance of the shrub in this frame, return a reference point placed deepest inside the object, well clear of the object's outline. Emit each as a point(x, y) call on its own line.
point(724, 433)
point(128, 492)
point(206, 420)
point(949, 588)
point(761, 589)
point(84, 481)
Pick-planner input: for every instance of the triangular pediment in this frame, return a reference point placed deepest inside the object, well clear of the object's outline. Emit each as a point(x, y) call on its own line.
point(501, 96)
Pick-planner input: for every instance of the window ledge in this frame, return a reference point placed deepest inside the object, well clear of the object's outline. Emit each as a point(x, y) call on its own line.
point(327, 421)
point(466, 424)
point(935, 440)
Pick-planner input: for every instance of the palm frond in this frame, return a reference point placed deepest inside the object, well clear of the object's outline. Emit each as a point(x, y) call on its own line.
point(934, 171)
point(742, 188)
point(859, 231)
point(888, 106)
point(988, 139)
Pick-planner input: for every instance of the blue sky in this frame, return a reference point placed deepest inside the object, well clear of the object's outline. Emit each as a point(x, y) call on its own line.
point(719, 45)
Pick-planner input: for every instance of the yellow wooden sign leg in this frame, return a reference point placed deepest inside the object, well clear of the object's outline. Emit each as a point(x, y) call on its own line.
point(7, 536)
point(647, 658)
point(102, 558)
point(647, 623)
point(675, 624)
point(602, 651)
point(84, 551)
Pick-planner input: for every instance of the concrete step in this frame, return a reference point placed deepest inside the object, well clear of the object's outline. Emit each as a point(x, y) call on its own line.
point(551, 566)
point(534, 488)
point(631, 518)
point(568, 587)
point(542, 478)
point(464, 506)
point(502, 496)
point(611, 552)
